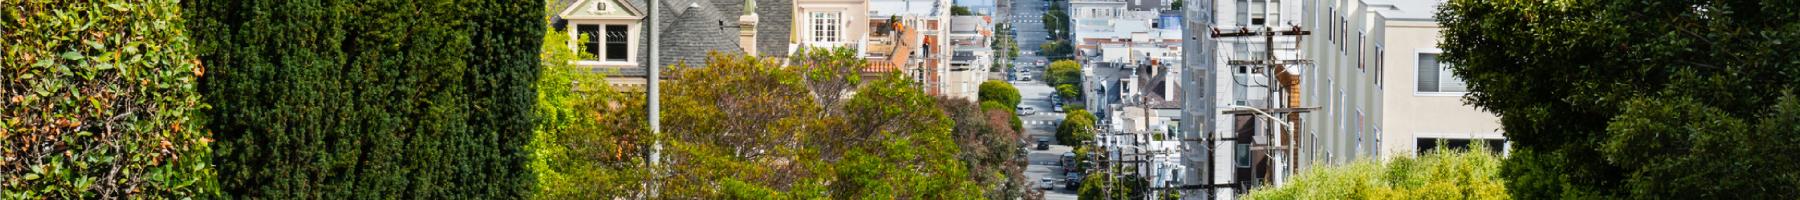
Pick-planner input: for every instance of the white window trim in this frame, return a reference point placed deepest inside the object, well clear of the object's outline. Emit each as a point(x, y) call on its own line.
point(1415, 75)
point(843, 20)
point(632, 32)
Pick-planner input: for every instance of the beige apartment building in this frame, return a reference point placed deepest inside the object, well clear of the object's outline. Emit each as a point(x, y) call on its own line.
point(1422, 100)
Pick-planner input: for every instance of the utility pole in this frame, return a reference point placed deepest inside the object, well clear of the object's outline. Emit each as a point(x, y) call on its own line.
point(1280, 80)
point(652, 91)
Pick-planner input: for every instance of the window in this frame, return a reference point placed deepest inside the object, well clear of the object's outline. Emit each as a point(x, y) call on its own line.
point(1359, 129)
point(1379, 52)
point(825, 26)
point(1377, 150)
point(1434, 75)
point(1329, 35)
point(616, 40)
point(1243, 155)
point(591, 42)
point(1360, 65)
point(605, 42)
point(1427, 144)
point(1343, 32)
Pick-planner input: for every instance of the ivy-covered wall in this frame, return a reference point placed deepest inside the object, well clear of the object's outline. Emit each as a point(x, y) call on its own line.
point(97, 100)
point(341, 99)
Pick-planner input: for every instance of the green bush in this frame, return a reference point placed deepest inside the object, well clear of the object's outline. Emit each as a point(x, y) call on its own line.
point(1438, 174)
point(370, 99)
point(1077, 126)
point(999, 91)
point(97, 101)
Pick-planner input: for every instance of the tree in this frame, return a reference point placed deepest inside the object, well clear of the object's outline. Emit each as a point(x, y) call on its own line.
point(1106, 185)
point(1176, 5)
point(98, 101)
point(1077, 126)
point(1068, 91)
point(370, 99)
point(960, 11)
point(1437, 174)
point(1064, 72)
point(1647, 95)
point(991, 106)
point(999, 91)
point(585, 132)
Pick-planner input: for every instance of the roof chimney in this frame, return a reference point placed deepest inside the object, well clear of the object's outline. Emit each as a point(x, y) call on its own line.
point(747, 28)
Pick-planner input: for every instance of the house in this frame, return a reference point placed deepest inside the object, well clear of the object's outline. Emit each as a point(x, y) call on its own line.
point(616, 33)
point(927, 56)
point(972, 55)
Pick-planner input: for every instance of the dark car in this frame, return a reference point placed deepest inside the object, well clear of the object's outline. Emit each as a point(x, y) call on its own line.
point(1043, 143)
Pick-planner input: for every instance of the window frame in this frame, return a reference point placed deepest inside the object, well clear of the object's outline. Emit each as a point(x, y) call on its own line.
point(1417, 53)
point(834, 27)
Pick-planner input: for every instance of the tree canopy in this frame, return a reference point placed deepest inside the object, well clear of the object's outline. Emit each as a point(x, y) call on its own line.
point(1614, 99)
point(1437, 174)
point(1077, 126)
point(370, 99)
point(999, 91)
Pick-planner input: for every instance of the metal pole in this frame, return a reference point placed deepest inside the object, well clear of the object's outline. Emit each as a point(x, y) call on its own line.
point(652, 91)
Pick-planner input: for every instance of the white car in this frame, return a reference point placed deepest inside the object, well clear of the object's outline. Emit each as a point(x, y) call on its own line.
point(1047, 183)
point(1027, 111)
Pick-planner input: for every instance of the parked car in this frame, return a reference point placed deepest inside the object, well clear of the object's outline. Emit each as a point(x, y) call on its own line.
point(1073, 182)
point(1043, 143)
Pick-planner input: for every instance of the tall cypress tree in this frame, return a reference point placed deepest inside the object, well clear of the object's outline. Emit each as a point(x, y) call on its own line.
point(339, 99)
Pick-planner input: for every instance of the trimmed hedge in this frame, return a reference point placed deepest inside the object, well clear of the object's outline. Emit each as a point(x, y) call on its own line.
point(97, 101)
point(340, 99)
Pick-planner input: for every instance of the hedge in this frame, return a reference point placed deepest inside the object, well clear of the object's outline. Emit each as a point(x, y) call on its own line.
point(97, 101)
point(340, 99)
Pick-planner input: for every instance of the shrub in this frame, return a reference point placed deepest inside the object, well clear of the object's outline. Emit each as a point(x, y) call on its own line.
point(97, 101)
point(370, 99)
point(1438, 174)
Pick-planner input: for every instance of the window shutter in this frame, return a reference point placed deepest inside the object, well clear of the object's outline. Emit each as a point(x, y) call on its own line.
point(1428, 73)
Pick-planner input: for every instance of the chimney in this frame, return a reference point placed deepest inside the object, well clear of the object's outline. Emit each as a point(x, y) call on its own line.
point(747, 28)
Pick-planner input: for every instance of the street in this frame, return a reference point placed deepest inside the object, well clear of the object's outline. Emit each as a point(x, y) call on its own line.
point(1028, 31)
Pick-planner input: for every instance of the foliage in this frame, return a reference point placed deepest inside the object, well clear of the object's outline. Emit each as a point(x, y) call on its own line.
point(97, 101)
point(1064, 72)
point(993, 106)
point(1106, 185)
point(753, 128)
point(1438, 174)
point(1655, 99)
point(1077, 126)
point(574, 143)
point(1056, 49)
point(830, 73)
point(370, 99)
point(989, 144)
point(1177, 5)
point(999, 91)
point(1068, 91)
point(960, 11)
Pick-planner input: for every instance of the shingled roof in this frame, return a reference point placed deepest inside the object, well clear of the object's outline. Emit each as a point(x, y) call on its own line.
point(693, 28)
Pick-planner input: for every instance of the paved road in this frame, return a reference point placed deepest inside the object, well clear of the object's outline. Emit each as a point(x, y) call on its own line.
point(1028, 28)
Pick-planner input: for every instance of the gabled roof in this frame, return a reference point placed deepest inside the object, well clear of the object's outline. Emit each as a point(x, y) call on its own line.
point(569, 9)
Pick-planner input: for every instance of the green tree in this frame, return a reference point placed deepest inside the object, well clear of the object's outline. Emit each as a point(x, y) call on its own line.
point(1064, 72)
point(1648, 96)
point(98, 101)
point(991, 106)
point(1437, 174)
point(1176, 5)
point(999, 91)
point(1077, 126)
point(575, 144)
point(960, 11)
point(1106, 185)
point(1067, 91)
point(370, 99)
